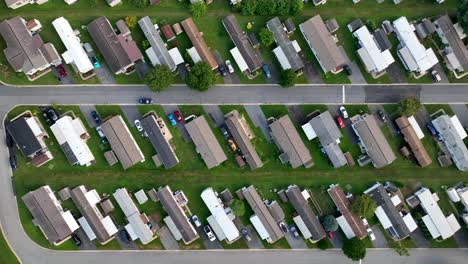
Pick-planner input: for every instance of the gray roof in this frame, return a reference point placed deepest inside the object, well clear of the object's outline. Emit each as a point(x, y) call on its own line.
point(118, 51)
point(276, 211)
point(261, 211)
point(156, 42)
point(46, 214)
point(304, 210)
point(372, 138)
point(290, 143)
point(382, 40)
point(240, 39)
point(122, 142)
point(380, 196)
point(205, 142)
point(322, 44)
point(444, 24)
point(234, 124)
point(24, 137)
point(177, 215)
point(163, 147)
point(283, 41)
point(452, 140)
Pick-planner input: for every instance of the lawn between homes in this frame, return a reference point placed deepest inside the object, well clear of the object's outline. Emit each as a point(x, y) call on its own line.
point(192, 176)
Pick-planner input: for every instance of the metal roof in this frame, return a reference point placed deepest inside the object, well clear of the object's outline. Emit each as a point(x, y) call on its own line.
point(24, 136)
point(446, 29)
point(452, 140)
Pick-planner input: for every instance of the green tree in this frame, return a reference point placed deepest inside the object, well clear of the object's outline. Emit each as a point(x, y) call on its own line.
point(399, 248)
point(238, 207)
point(324, 244)
point(296, 7)
point(288, 78)
point(159, 78)
point(410, 106)
point(283, 7)
point(201, 77)
point(329, 223)
point(266, 37)
point(462, 15)
point(265, 7)
point(354, 249)
point(145, 44)
point(364, 206)
point(248, 7)
point(131, 21)
point(198, 9)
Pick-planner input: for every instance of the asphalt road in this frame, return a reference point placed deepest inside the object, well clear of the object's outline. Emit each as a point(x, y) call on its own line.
point(29, 252)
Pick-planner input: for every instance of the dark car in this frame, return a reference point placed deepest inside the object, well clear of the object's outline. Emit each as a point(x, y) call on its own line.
point(125, 236)
point(96, 117)
point(52, 114)
point(222, 70)
point(9, 140)
point(13, 162)
point(347, 70)
point(76, 240)
point(432, 129)
point(145, 101)
point(283, 227)
point(224, 131)
point(382, 116)
point(245, 234)
point(61, 70)
point(266, 71)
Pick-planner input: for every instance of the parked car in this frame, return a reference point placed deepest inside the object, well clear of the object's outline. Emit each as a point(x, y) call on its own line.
point(178, 116)
point(370, 233)
point(61, 70)
point(293, 230)
point(196, 220)
point(431, 129)
point(101, 134)
point(95, 61)
point(145, 101)
point(224, 131)
point(436, 76)
point(266, 71)
point(229, 66)
point(364, 221)
point(222, 70)
point(348, 70)
point(76, 240)
point(343, 112)
point(330, 234)
point(340, 122)
point(209, 233)
point(283, 227)
point(138, 125)
point(125, 236)
point(96, 117)
point(13, 162)
point(232, 145)
point(382, 116)
point(9, 140)
point(172, 119)
point(322, 149)
point(245, 234)
point(52, 114)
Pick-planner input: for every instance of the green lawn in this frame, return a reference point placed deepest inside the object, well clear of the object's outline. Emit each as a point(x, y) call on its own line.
point(7, 256)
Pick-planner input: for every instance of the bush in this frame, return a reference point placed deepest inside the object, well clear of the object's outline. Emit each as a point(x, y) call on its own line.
point(238, 207)
point(410, 106)
point(364, 206)
point(201, 77)
point(159, 78)
point(131, 21)
point(288, 78)
point(271, 7)
point(198, 9)
point(266, 7)
point(354, 249)
point(329, 223)
point(324, 244)
point(462, 15)
point(145, 44)
point(266, 37)
point(140, 3)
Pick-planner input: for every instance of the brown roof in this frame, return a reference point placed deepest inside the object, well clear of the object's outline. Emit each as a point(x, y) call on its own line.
point(344, 206)
point(122, 142)
point(177, 28)
point(168, 32)
point(444, 24)
point(413, 141)
point(199, 43)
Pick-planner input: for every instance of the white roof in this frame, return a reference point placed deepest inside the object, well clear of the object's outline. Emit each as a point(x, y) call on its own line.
point(436, 215)
point(453, 195)
point(416, 127)
point(458, 126)
point(452, 220)
point(125, 202)
point(395, 200)
point(344, 225)
point(239, 59)
point(374, 59)
point(302, 227)
point(152, 56)
point(87, 229)
point(424, 58)
point(173, 228)
point(431, 226)
point(262, 232)
point(109, 225)
point(70, 220)
point(131, 232)
point(383, 218)
point(140, 228)
point(194, 55)
point(216, 228)
point(74, 48)
point(141, 196)
point(93, 197)
point(410, 223)
point(35, 128)
point(296, 46)
point(283, 60)
point(463, 194)
point(309, 131)
point(217, 210)
point(176, 56)
point(68, 131)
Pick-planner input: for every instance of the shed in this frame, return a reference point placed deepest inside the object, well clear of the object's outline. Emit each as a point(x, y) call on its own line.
point(107, 206)
point(253, 40)
point(110, 157)
point(355, 24)
point(141, 196)
point(240, 161)
point(332, 25)
point(283, 197)
point(405, 152)
point(349, 159)
point(289, 25)
point(168, 32)
point(153, 195)
point(64, 194)
point(226, 197)
point(157, 161)
point(177, 28)
point(453, 195)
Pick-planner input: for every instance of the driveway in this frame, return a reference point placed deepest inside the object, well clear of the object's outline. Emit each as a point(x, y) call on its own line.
point(255, 241)
point(104, 75)
point(297, 115)
point(169, 109)
point(123, 242)
point(348, 130)
point(461, 237)
point(86, 244)
point(230, 78)
point(423, 117)
point(356, 77)
point(63, 80)
point(462, 112)
point(215, 114)
point(182, 71)
point(258, 119)
point(167, 239)
point(419, 239)
point(337, 240)
point(380, 241)
point(443, 76)
point(396, 73)
point(311, 72)
point(390, 124)
point(86, 110)
point(208, 244)
point(274, 71)
point(295, 242)
point(132, 113)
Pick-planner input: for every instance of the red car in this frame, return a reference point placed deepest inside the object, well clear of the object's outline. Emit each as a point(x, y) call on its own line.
point(61, 70)
point(178, 116)
point(340, 122)
point(330, 234)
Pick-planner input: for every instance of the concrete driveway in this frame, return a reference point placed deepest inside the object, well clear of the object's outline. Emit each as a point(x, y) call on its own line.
point(380, 241)
point(461, 237)
point(396, 73)
point(356, 77)
point(63, 80)
point(169, 109)
point(132, 113)
point(295, 242)
point(86, 110)
point(167, 239)
point(297, 115)
point(230, 78)
point(215, 114)
point(443, 76)
point(348, 130)
point(258, 119)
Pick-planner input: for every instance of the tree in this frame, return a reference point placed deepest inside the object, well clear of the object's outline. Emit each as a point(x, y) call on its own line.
point(198, 9)
point(159, 78)
point(296, 7)
point(131, 21)
point(329, 223)
point(265, 7)
point(145, 44)
point(248, 7)
point(354, 249)
point(462, 15)
point(288, 78)
point(201, 77)
point(266, 37)
point(324, 244)
point(364, 206)
point(283, 7)
point(399, 248)
point(238, 207)
point(410, 106)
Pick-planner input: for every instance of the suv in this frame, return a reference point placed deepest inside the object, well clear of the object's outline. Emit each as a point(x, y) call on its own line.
point(283, 227)
point(245, 234)
point(196, 220)
point(348, 70)
point(435, 76)
point(52, 114)
point(209, 233)
point(96, 117)
point(266, 71)
point(382, 116)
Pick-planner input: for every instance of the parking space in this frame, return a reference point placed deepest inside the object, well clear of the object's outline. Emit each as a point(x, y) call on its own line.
point(311, 72)
point(419, 239)
point(295, 242)
point(255, 242)
point(440, 70)
point(230, 78)
point(62, 74)
point(356, 76)
point(215, 114)
point(462, 113)
point(389, 123)
point(396, 73)
point(461, 238)
point(206, 241)
point(337, 240)
point(380, 241)
point(274, 71)
point(86, 244)
point(348, 130)
point(86, 110)
point(104, 75)
point(132, 113)
point(258, 119)
point(170, 109)
point(167, 239)
point(124, 242)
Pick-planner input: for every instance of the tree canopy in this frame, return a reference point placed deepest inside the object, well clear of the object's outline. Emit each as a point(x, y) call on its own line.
point(410, 106)
point(238, 207)
point(266, 37)
point(271, 7)
point(201, 77)
point(329, 223)
point(198, 9)
point(159, 78)
point(288, 78)
point(354, 249)
point(364, 206)
point(462, 15)
point(131, 21)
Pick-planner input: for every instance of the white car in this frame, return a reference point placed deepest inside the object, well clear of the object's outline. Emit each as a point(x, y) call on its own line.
point(364, 221)
point(138, 125)
point(344, 113)
point(229, 66)
point(196, 220)
point(209, 233)
point(370, 233)
point(436, 76)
